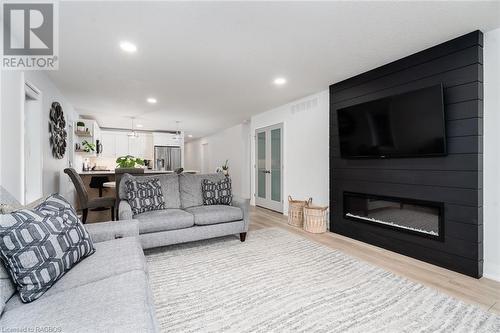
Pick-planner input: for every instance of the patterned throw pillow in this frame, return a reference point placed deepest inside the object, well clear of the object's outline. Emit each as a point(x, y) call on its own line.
point(209, 192)
point(218, 193)
point(144, 196)
point(39, 246)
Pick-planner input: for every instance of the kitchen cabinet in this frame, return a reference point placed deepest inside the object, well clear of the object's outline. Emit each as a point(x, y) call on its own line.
point(117, 143)
point(108, 144)
point(121, 144)
point(167, 139)
point(141, 146)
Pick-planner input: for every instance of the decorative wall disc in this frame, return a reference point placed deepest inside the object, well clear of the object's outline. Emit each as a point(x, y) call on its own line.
point(57, 130)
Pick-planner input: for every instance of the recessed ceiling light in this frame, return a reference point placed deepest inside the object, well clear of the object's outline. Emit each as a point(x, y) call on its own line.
point(279, 81)
point(190, 135)
point(151, 100)
point(139, 125)
point(128, 47)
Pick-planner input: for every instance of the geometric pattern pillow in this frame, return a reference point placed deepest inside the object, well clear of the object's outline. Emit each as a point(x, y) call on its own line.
point(224, 194)
point(209, 192)
point(145, 196)
point(219, 193)
point(39, 246)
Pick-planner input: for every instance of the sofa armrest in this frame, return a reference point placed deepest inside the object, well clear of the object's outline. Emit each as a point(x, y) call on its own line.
point(124, 211)
point(104, 231)
point(244, 204)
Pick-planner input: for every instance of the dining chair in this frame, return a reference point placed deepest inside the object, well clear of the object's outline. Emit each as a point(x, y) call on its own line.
point(83, 196)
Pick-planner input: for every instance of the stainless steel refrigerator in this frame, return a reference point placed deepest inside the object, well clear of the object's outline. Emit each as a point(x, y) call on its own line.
point(167, 158)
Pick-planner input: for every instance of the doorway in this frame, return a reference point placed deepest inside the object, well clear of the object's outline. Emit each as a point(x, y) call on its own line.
point(269, 167)
point(33, 158)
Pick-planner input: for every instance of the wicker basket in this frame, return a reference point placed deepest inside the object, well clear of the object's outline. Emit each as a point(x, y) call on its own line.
point(315, 219)
point(296, 211)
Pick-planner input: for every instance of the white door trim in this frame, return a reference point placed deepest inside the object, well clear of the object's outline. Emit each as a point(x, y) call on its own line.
point(267, 202)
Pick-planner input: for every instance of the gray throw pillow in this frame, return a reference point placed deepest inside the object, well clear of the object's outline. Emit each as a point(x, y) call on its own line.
point(39, 246)
point(217, 193)
point(145, 195)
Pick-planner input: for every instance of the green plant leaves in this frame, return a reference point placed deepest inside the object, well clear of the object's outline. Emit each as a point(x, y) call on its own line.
point(128, 161)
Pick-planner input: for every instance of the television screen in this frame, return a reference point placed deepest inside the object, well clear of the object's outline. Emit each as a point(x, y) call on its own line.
point(405, 125)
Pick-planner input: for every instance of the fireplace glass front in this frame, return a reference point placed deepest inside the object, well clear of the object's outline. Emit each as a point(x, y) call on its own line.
point(414, 216)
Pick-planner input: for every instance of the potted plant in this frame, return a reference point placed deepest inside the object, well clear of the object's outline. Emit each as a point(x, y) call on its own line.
point(129, 161)
point(88, 147)
point(224, 168)
point(80, 126)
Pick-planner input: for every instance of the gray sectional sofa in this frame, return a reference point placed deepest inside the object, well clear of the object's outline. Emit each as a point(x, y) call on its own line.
point(109, 291)
point(185, 218)
point(106, 292)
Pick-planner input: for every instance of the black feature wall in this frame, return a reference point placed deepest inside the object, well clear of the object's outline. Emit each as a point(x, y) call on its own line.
point(454, 180)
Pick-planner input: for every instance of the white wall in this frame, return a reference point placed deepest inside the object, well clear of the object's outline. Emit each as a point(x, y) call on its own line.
point(305, 147)
point(230, 144)
point(491, 155)
point(12, 132)
point(11, 121)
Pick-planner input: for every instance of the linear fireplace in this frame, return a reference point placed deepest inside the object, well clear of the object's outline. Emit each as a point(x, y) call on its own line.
point(423, 218)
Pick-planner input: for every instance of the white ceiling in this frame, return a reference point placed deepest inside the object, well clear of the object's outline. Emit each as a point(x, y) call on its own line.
point(211, 64)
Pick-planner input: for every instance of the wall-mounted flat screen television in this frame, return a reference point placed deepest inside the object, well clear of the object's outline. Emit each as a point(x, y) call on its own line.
point(405, 125)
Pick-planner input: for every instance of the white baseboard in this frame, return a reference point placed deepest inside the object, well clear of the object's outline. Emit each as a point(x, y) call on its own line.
point(491, 271)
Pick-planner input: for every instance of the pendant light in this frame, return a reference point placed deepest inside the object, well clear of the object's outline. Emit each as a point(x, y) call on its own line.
point(177, 132)
point(133, 134)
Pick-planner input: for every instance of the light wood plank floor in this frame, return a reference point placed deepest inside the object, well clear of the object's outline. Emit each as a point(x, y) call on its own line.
point(483, 292)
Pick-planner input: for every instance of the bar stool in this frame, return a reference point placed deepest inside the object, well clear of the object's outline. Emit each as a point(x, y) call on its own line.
point(97, 182)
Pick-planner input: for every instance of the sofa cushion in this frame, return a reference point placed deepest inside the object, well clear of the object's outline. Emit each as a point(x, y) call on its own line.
point(39, 246)
point(190, 187)
point(205, 215)
point(110, 258)
point(144, 195)
point(169, 187)
point(120, 303)
point(7, 288)
point(162, 220)
point(7, 204)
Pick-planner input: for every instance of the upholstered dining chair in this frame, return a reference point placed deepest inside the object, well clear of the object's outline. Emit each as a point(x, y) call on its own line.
point(83, 196)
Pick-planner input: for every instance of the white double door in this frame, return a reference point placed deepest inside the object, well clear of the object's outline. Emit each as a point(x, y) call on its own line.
point(269, 167)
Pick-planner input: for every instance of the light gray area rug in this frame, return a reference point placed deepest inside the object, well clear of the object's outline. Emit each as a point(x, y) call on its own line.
point(279, 282)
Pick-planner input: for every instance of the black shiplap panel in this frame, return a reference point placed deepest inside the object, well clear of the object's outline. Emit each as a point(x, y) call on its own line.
point(472, 39)
point(438, 178)
point(452, 94)
point(451, 195)
point(464, 127)
point(471, 267)
point(464, 110)
point(468, 232)
point(465, 144)
point(455, 179)
point(454, 69)
point(455, 162)
point(464, 92)
point(464, 214)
